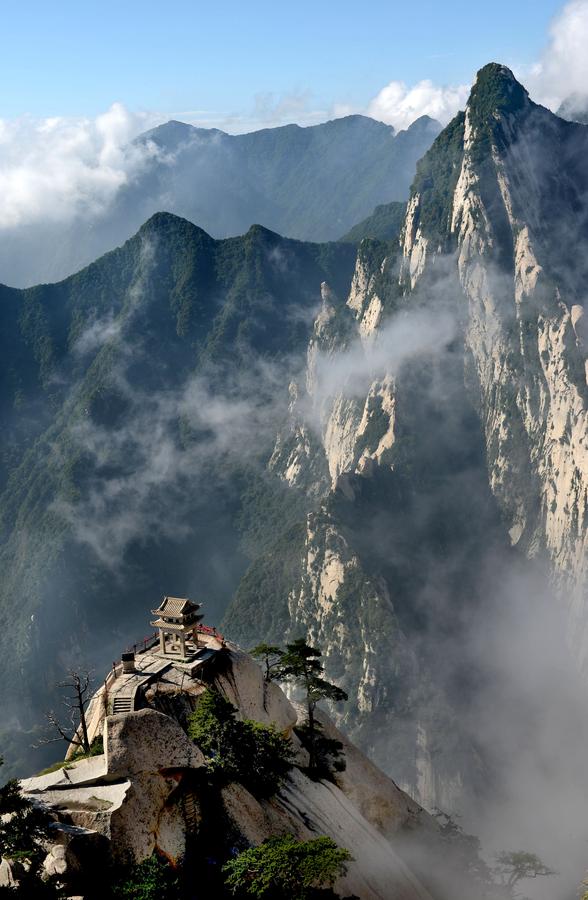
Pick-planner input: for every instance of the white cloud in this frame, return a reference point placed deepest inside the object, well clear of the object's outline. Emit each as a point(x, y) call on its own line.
point(399, 105)
point(562, 69)
point(560, 72)
point(54, 168)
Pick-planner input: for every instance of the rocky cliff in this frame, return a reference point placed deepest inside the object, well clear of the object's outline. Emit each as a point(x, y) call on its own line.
point(442, 424)
point(384, 460)
point(147, 793)
point(517, 221)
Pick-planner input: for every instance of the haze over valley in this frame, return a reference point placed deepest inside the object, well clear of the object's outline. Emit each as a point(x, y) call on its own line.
point(330, 381)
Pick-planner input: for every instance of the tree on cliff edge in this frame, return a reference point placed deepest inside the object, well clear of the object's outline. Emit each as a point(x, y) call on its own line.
point(301, 664)
point(270, 656)
point(76, 697)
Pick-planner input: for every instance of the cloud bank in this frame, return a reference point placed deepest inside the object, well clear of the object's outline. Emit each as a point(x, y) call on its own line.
point(399, 105)
point(56, 170)
point(53, 169)
point(562, 69)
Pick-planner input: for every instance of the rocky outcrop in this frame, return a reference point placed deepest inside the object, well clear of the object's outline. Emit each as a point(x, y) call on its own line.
point(147, 792)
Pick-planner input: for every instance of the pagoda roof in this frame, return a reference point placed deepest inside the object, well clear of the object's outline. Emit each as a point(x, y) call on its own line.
point(176, 606)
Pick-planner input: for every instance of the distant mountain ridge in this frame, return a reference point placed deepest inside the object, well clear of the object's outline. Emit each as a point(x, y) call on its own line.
point(310, 183)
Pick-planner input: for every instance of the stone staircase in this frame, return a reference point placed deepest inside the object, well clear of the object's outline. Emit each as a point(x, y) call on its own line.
point(122, 704)
point(191, 811)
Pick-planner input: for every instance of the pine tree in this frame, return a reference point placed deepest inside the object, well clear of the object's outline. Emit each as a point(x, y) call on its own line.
point(300, 663)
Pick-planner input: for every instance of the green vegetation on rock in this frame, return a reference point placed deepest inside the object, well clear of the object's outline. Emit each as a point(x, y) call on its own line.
point(284, 868)
point(254, 754)
point(151, 879)
point(435, 181)
point(384, 224)
point(300, 664)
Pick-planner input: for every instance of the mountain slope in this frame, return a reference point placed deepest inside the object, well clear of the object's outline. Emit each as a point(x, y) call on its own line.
point(139, 397)
point(384, 224)
point(405, 463)
point(309, 183)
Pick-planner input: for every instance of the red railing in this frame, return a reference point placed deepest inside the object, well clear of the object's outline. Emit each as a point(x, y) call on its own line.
point(211, 632)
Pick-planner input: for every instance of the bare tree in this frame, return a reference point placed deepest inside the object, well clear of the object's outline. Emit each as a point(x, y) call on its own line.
point(77, 695)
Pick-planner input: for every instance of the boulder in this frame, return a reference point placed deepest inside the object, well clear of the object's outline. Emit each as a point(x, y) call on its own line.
point(150, 749)
point(55, 862)
point(147, 741)
point(8, 873)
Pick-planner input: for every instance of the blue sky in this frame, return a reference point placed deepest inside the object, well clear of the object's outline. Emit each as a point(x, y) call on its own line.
point(72, 59)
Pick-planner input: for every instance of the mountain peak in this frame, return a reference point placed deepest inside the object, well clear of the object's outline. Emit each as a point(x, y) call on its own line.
point(171, 135)
point(165, 223)
point(261, 233)
point(496, 91)
point(425, 125)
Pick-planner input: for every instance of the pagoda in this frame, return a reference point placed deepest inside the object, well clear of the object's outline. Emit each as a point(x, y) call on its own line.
point(177, 618)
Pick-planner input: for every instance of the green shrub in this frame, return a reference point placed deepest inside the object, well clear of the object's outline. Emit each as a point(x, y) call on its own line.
point(255, 755)
point(284, 867)
point(23, 831)
point(152, 879)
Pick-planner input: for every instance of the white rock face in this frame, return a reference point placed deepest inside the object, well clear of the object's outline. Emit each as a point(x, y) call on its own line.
point(533, 407)
point(307, 809)
point(7, 875)
point(253, 697)
point(416, 245)
point(525, 363)
point(331, 430)
point(152, 750)
point(433, 788)
point(55, 862)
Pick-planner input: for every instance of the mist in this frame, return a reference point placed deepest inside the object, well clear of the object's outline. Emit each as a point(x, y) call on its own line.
point(213, 411)
point(485, 620)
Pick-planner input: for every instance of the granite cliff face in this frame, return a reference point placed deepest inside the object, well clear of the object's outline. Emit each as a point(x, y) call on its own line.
point(518, 224)
point(443, 427)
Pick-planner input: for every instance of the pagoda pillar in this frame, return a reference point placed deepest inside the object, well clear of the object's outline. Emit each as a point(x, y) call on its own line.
point(162, 640)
